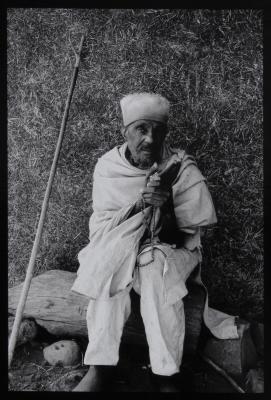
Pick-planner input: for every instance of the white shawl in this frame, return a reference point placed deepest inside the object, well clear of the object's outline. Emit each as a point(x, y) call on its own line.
point(107, 263)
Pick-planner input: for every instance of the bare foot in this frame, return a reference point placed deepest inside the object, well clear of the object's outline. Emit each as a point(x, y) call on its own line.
point(91, 382)
point(166, 383)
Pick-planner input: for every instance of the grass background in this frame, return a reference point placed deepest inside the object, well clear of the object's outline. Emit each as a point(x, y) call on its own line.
point(208, 63)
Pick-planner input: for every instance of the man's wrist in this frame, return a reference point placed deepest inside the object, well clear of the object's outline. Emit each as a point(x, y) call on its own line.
point(139, 205)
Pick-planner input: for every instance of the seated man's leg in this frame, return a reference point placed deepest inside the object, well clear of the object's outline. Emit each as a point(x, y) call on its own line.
point(105, 322)
point(164, 323)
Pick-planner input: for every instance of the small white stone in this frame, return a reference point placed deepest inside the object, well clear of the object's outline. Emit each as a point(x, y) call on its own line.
point(64, 352)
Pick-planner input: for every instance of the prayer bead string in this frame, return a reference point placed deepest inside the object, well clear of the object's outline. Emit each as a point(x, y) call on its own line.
point(151, 228)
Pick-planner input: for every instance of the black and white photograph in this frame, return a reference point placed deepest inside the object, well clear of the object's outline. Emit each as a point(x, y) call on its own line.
point(135, 200)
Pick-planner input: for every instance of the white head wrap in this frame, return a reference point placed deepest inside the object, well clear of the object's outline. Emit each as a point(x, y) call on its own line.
point(148, 106)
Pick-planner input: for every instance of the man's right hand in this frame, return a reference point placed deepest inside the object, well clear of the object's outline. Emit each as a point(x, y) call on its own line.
point(153, 194)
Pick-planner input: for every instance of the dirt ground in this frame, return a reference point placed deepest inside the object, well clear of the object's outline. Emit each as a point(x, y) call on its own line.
point(31, 372)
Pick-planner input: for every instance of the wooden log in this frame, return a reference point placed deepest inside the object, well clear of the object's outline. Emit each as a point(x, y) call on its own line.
point(194, 303)
point(235, 356)
point(63, 313)
point(257, 334)
point(52, 304)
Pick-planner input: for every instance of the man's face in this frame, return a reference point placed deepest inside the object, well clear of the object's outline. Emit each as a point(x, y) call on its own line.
point(145, 140)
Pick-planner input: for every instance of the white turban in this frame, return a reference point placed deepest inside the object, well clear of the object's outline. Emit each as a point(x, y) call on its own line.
point(148, 106)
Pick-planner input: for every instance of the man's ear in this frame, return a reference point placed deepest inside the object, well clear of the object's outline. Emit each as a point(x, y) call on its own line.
point(123, 131)
point(166, 130)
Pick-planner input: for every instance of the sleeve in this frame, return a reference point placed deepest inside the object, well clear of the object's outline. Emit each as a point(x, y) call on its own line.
point(106, 217)
point(192, 239)
point(192, 200)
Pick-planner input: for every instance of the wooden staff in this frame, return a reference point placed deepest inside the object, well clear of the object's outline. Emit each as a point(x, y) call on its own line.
point(222, 372)
point(30, 268)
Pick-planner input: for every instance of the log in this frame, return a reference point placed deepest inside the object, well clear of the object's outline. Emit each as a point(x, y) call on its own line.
point(52, 304)
point(257, 335)
point(63, 313)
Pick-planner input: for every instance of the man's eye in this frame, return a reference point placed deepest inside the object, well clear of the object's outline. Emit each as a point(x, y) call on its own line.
point(140, 129)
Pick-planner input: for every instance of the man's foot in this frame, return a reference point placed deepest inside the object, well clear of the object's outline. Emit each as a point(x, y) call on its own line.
point(166, 383)
point(91, 382)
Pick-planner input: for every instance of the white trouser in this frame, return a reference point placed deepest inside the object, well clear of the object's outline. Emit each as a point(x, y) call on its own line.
point(164, 323)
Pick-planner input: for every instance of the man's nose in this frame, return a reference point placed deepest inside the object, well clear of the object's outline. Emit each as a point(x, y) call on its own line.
point(149, 136)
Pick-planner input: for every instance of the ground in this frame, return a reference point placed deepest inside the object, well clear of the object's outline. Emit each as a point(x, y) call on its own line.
point(30, 372)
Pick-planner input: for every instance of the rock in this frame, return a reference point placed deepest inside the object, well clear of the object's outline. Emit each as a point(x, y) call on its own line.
point(255, 381)
point(63, 352)
point(235, 356)
point(28, 330)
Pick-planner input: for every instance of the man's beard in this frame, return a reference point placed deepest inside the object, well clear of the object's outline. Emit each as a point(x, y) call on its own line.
point(142, 161)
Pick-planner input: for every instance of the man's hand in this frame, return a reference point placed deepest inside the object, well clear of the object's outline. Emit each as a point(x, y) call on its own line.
point(153, 193)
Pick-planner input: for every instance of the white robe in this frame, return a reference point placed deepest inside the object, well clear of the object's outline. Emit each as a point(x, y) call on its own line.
point(107, 263)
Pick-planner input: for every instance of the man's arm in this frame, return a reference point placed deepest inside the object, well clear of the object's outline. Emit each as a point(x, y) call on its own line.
point(191, 239)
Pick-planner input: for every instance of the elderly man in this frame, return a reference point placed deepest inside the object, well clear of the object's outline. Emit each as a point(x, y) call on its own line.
point(149, 202)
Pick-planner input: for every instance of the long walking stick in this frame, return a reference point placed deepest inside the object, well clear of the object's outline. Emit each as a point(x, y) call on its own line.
point(223, 373)
point(30, 268)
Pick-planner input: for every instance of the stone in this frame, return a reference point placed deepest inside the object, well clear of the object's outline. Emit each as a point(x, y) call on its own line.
point(28, 330)
point(235, 356)
point(63, 352)
point(255, 381)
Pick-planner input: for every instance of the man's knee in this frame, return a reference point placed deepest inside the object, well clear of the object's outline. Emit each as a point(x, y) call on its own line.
point(151, 275)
